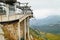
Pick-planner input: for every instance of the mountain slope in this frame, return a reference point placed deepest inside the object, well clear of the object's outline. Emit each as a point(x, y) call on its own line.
point(50, 24)
point(36, 35)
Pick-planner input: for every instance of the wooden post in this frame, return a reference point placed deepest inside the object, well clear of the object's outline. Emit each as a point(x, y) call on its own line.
point(19, 30)
point(25, 29)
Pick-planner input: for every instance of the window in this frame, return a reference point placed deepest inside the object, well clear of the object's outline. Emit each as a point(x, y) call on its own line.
point(11, 10)
point(2, 11)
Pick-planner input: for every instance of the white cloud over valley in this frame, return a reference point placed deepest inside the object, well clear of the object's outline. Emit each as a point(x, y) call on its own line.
point(42, 13)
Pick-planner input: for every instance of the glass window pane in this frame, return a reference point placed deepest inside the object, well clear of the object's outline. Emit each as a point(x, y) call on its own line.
point(2, 12)
point(11, 9)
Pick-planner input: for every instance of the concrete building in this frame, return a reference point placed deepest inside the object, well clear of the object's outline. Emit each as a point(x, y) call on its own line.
point(14, 25)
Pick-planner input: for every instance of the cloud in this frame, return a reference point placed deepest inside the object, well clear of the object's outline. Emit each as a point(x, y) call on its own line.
point(36, 4)
point(45, 4)
point(44, 8)
point(43, 13)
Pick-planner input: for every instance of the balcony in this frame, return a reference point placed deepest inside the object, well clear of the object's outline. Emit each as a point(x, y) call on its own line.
point(11, 13)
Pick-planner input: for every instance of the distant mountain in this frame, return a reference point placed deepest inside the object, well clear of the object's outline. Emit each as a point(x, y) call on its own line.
point(50, 24)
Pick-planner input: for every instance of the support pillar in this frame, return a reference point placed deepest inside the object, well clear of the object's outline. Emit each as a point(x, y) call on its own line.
point(1, 33)
point(28, 28)
point(25, 29)
point(19, 30)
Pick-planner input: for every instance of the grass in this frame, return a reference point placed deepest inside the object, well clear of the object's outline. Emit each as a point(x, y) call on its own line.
point(43, 36)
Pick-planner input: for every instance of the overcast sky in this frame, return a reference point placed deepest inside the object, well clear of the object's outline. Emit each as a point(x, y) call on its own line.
point(44, 8)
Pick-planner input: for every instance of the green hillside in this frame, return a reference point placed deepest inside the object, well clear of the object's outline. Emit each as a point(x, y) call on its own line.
point(36, 35)
point(43, 36)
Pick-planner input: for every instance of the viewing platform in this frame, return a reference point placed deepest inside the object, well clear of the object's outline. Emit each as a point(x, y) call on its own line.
point(14, 20)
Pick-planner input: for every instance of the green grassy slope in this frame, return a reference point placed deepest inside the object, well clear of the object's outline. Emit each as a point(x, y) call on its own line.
point(43, 36)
